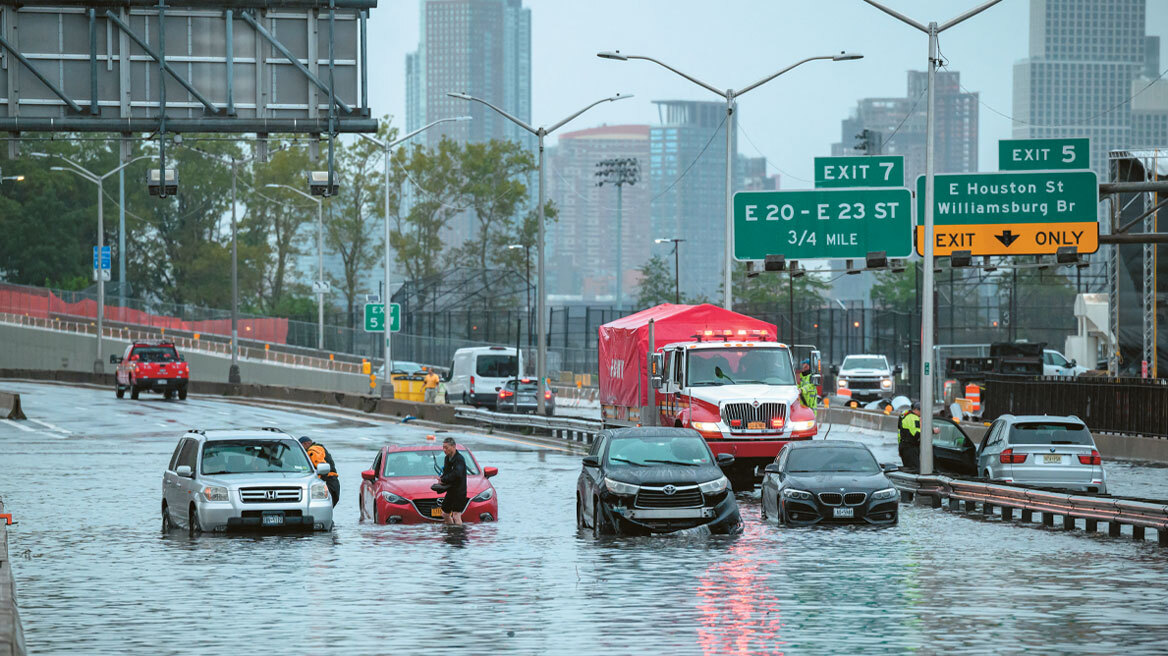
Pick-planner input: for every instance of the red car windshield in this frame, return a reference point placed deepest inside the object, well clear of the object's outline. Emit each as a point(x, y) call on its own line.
point(156, 354)
point(421, 463)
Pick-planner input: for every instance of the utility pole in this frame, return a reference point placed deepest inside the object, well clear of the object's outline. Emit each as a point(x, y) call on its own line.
point(619, 171)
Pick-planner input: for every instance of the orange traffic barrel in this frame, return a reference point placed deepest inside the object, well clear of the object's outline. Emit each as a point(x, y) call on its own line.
point(973, 393)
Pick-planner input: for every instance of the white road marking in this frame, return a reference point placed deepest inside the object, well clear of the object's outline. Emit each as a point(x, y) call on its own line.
point(13, 422)
point(52, 427)
point(163, 424)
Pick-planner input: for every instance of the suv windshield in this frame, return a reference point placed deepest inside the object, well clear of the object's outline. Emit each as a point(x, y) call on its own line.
point(688, 450)
point(832, 459)
point(155, 353)
point(1050, 433)
point(254, 456)
point(768, 366)
point(864, 362)
point(497, 366)
point(421, 463)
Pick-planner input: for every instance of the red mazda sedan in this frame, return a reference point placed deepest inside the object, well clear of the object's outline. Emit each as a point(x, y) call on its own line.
point(397, 489)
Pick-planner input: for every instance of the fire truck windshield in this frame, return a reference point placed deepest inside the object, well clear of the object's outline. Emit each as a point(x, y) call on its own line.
point(740, 366)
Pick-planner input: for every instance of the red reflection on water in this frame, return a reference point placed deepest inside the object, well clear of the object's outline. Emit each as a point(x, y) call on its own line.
point(738, 612)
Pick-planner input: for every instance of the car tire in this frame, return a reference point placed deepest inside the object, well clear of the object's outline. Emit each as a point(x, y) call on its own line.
point(599, 527)
point(182, 394)
point(782, 514)
point(375, 519)
point(549, 412)
point(193, 525)
point(134, 393)
point(465, 400)
point(579, 514)
point(168, 395)
point(166, 525)
point(762, 513)
point(119, 391)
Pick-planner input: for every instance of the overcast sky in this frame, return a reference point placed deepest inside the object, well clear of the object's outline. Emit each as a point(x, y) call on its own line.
point(732, 43)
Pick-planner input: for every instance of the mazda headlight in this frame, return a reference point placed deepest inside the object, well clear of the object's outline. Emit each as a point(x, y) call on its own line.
point(319, 492)
point(485, 495)
point(790, 493)
point(392, 498)
point(716, 486)
point(886, 383)
point(800, 426)
point(887, 493)
point(215, 493)
point(706, 426)
point(624, 489)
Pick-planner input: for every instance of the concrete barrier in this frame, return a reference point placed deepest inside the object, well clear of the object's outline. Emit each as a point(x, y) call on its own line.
point(10, 406)
point(11, 634)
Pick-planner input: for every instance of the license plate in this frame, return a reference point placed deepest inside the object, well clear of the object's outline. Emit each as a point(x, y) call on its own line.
point(435, 512)
point(756, 425)
point(527, 399)
point(843, 512)
point(273, 520)
point(1052, 459)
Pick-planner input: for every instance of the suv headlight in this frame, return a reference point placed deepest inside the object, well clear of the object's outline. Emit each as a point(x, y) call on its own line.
point(485, 495)
point(887, 493)
point(215, 493)
point(799, 426)
point(319, 492)
point(390, 497)
point(797, 494)
point(886, 383)
point(716, 486)
point(842, 382)
point(617, 487)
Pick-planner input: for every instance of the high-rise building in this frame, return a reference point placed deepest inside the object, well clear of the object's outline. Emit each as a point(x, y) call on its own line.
point(897, 126)
point(583, 241)
point(687, 178)
point(1150, 101)
point(479, 47)
point(1077, 81)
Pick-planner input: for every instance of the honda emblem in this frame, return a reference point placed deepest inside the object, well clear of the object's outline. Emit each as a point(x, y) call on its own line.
point(271, 495)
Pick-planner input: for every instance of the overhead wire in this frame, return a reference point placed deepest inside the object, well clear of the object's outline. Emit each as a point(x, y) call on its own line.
point(691, 164)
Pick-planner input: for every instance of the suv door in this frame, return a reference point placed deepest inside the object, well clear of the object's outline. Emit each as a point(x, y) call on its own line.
point(186, 487)
point(590, 477)
point(170, 479)
point(990, 447)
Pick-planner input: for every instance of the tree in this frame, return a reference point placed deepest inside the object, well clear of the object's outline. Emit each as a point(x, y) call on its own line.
point(493, 190)
point(657, 285)
point(274, 221)
point(768, 288)
point(435, 174)
point(896, 291)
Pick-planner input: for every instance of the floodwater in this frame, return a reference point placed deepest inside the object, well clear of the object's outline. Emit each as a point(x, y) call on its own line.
point(96, 576)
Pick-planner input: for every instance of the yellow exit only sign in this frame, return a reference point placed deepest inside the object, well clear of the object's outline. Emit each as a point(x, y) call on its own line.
point(1011, 239)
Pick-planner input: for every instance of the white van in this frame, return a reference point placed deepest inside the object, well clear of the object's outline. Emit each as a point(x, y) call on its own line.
point(478, 373)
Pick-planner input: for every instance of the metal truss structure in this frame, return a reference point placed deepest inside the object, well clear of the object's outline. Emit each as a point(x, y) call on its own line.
point(460, 288)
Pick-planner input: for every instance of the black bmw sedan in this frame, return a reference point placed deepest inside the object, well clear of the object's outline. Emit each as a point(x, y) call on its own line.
point(654, 480)
point(828, 481)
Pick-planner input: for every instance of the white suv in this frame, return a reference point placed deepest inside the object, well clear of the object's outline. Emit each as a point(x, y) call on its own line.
point(228, 479)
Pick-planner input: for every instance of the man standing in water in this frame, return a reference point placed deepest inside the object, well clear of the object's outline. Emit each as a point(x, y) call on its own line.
point(453, 476)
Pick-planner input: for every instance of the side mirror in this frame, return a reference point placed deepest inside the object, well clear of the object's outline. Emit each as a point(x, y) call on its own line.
point(897, 370)
point(724, 459)
point(1074, 363)
point(490, 472)
point(323, 469)
point(772, 468)
point(184, 471)
point(369, 475)
point(134, 358)
point(816, 379)
point(656, 364)
point(591, 461)
point(834, 369)
point(115, 359)
point(888, 467)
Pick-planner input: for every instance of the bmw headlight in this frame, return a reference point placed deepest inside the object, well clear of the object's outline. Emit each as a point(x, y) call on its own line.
point(215, 493)
point(799, 426)
point(716, 486)
point(617, 487)
point(390, 497)
point(485, 495)
point(790, 493)
point(887, 493)
point(319, 492)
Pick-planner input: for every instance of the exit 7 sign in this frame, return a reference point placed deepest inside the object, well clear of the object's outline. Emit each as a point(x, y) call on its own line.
point(865, 171)
point(375, 317)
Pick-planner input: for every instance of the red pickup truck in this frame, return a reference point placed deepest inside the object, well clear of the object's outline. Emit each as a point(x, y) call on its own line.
point(153, 366)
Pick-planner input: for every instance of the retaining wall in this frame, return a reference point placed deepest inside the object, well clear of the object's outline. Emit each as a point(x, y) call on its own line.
point(11, 634)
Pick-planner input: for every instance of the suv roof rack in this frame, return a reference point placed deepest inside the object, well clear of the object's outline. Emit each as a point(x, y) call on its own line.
point(273, 429)
point(200, 431)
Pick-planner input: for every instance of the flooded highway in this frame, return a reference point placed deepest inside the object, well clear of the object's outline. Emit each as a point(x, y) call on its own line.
point(95, 575)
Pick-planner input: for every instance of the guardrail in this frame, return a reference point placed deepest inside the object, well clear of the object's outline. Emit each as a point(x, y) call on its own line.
point(11, 634)
point(1116, 512)
point(565, 428)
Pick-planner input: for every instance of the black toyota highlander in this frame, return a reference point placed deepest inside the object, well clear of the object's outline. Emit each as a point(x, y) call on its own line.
point(654, 480)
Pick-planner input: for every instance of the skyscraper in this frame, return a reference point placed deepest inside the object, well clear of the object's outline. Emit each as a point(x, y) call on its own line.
point(687, 178)
point(582, 243)
point(1084, 57)
point(479, 47)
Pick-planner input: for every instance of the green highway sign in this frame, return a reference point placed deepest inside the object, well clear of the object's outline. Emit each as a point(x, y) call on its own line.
point(375, 317)
point(1044, 154)
point(1012, 213)
point(822, 223)
point(863, 171)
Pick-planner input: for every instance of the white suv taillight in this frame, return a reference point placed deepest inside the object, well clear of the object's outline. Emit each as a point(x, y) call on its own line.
point(1092, 459)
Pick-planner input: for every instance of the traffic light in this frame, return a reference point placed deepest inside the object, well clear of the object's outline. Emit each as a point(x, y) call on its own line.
point(162, 189)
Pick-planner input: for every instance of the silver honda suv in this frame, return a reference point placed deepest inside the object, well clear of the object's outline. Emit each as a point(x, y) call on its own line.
point(235, 479)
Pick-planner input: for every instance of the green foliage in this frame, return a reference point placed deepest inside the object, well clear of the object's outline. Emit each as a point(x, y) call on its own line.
point(775, 289)
point(896, 291)
point(657, 285)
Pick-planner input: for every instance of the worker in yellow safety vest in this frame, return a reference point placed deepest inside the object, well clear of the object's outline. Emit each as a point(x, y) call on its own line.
point(808, 394)
point(908, 437)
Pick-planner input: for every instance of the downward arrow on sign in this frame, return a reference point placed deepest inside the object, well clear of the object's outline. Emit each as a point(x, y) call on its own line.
point(1007, 238)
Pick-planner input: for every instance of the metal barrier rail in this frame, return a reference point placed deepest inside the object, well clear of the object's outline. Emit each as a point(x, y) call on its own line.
point(188, 343)
point(1116, 512)
point(565, 428)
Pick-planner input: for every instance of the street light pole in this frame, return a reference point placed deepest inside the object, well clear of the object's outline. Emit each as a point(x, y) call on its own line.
point(527, 283)
point(676, 267)
point(387, 146)
point(541, 300)
point(729, 95)
point(99, 180)
point(927, 318)
point(319, 259)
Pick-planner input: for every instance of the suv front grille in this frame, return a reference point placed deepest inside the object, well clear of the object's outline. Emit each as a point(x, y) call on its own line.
point(855, 498)
point(831, 498)
point(863, 383)
point(270, 494)
point(746, 413)
point(689, 497)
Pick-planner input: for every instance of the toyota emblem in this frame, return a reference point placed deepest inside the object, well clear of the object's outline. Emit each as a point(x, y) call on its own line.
point(669, 490)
